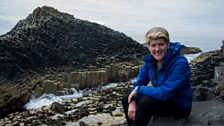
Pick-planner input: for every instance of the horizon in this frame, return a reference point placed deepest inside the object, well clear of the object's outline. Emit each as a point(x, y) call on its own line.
point(193, 23)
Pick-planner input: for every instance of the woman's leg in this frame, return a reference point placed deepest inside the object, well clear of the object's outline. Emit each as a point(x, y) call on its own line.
point(145, 110)
point(148, 106)
point(179, 112)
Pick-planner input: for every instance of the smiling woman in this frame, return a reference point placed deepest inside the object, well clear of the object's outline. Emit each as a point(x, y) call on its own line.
point(168, 71)
point(158, 49)
point(157, 40)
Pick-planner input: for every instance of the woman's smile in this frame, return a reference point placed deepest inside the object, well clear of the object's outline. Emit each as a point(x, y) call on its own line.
point(158, 49)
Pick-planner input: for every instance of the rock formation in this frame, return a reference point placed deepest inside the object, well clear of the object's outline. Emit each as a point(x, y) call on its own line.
point(207, 78)
point(190, 50)
point(49, 42)
point(48, 38)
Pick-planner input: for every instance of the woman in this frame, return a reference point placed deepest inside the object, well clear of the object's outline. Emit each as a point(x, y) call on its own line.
point(170, 93)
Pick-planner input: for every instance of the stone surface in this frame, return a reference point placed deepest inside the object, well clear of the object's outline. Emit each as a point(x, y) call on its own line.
point(206, 113)
point(203, 114)
point(166, 122)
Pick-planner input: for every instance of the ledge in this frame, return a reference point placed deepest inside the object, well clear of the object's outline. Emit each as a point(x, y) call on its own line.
point(203, 113)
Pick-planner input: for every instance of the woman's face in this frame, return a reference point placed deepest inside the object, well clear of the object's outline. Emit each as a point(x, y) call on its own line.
point(158, 49)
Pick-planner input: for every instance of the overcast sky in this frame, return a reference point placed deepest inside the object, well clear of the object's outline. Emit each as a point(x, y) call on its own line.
point(193, 22)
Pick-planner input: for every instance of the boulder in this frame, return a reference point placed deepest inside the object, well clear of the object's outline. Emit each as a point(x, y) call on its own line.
point(38, 91)
point(50, 87)
point(190, 50)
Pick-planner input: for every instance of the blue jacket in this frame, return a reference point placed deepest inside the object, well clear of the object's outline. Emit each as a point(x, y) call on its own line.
point(171, 82)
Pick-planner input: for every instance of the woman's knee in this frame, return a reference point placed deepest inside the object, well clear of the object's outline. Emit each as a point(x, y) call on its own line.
point(147, 102)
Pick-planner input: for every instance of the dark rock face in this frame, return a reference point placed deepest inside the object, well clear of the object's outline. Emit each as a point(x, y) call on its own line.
point(190, 50)
point(48, 38)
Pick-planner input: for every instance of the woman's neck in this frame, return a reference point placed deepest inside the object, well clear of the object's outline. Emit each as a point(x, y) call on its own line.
point(159, 64)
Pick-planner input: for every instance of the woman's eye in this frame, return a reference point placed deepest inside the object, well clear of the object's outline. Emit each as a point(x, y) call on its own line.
point(153, 45)
point(161, 44)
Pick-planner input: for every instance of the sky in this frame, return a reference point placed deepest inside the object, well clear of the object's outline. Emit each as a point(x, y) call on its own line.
point(198, 23)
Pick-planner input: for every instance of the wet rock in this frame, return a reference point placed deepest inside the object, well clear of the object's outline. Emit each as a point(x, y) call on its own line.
point(57, 107)
point(38, 91)
point(99, 108)
point(70, 117)
point(99, 123)
point(81, 123)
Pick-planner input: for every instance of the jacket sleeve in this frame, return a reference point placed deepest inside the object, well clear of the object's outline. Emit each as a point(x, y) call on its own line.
point(142, 78)
point(179, 76)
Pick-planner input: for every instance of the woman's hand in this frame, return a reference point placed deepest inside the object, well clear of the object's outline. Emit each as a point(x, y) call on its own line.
point(132, 110)
point(132, 104)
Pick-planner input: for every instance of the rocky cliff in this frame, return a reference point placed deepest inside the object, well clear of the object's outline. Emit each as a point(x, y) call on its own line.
point(48, 41)
point(48, 38)
point(190, 50)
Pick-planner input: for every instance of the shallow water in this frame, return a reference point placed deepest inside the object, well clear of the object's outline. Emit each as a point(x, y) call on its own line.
point(190, 57)
point(48, 99)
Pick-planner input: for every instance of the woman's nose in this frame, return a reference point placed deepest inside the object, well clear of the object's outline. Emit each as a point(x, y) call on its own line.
point(157, 48)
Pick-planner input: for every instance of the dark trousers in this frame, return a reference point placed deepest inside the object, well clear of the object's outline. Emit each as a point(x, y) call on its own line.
point(148, 107)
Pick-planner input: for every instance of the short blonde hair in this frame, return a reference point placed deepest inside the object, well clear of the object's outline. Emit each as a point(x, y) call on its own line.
point(155, 33)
